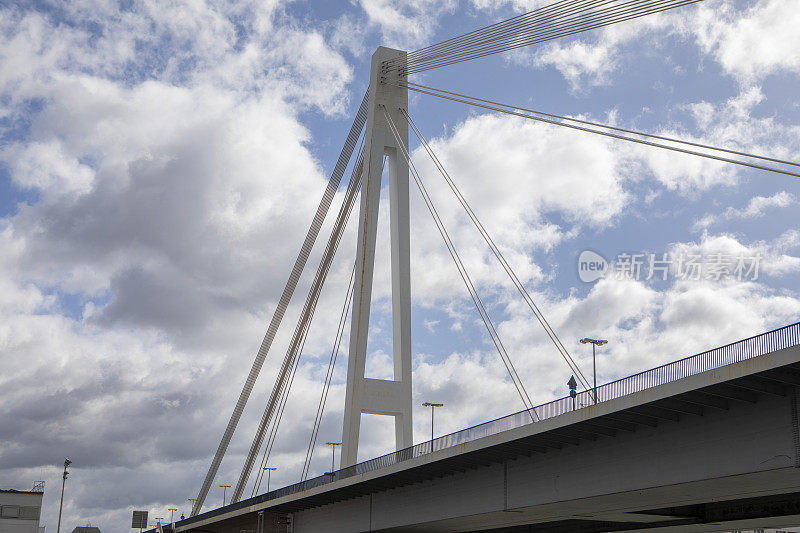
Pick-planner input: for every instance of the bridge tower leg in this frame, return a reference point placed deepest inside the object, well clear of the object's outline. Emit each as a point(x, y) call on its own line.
point(366, 395)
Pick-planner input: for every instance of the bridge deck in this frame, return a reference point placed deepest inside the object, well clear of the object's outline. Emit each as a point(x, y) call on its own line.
point(768, 364)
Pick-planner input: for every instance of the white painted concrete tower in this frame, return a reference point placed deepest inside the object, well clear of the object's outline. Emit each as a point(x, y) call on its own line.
point(366, 395)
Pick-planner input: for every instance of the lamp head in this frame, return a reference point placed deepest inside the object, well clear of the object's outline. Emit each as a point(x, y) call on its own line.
point(596, 342)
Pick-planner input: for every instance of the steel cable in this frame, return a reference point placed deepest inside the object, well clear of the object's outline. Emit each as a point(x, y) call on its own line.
point(276, 422)
point(283, 302)
point(491, 29)
point(347, 206)
point(561, 19)
point(500, 257)
point(353, 188)
point(496, 107)
point(497, 31)
point(494, 335)
point(412, 86)
point(334, 352)
point(536, 38)
point(297, 338)
point(348, 301)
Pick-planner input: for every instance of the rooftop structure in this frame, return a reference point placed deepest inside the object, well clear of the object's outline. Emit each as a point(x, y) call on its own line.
point(20, 510)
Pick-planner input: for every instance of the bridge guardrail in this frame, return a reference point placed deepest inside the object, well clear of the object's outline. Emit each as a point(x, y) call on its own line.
point(749, 348)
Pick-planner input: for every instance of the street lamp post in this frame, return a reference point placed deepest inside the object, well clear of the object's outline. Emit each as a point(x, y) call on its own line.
point(172, 517)
point(594, 342)
point(67, 462)
point(333, 446)
point(270, 470)
point(433, 406)
point(224, 492)
point(191, 500)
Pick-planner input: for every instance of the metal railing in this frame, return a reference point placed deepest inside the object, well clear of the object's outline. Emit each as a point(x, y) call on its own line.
point(749, 348)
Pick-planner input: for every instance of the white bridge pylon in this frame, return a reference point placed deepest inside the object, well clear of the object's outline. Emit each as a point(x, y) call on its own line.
point(367, 395)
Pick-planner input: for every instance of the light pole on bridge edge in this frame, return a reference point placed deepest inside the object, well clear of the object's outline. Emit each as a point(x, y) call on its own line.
point(270, 470)
point(224, 492)
point(433, 407)
point(333, 446)
point(594, 342)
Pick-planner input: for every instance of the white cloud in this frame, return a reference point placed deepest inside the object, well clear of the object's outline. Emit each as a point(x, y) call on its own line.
point(589, 61)
point(46, 167)
point(350, 34)
point(430, 325)
point(579, 62)
point(732, 124)
point(168, 165)
point(646, 327)
point(525, 172)
point(751, 43)
point(539, 162)
point(181, 44)
point(406, 25)
point(173, 166)
point(513, 179)
point(758, 206)
point(516, 5)
point(771, 256)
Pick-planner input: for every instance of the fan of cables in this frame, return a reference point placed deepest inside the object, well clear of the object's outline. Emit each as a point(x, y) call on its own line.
point(560, 19)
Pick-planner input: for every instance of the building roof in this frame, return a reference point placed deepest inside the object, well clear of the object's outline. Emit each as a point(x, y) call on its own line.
point(15, 491)
point(86, 529)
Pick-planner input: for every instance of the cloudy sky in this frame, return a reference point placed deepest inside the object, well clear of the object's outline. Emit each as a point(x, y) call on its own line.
point(160, 163)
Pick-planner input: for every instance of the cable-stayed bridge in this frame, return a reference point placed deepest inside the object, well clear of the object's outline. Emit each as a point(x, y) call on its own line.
point(473, 480)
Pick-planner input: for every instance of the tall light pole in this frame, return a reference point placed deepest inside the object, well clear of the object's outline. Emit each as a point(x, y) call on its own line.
point(594, 342)
point(192, 500)
point(171, 518)
point(224, 492)
point(270, 470)
point(433, 406)
point(67, 462)
point(333, 446)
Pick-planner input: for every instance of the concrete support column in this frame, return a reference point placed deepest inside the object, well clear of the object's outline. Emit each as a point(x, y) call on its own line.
point(364, 395)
